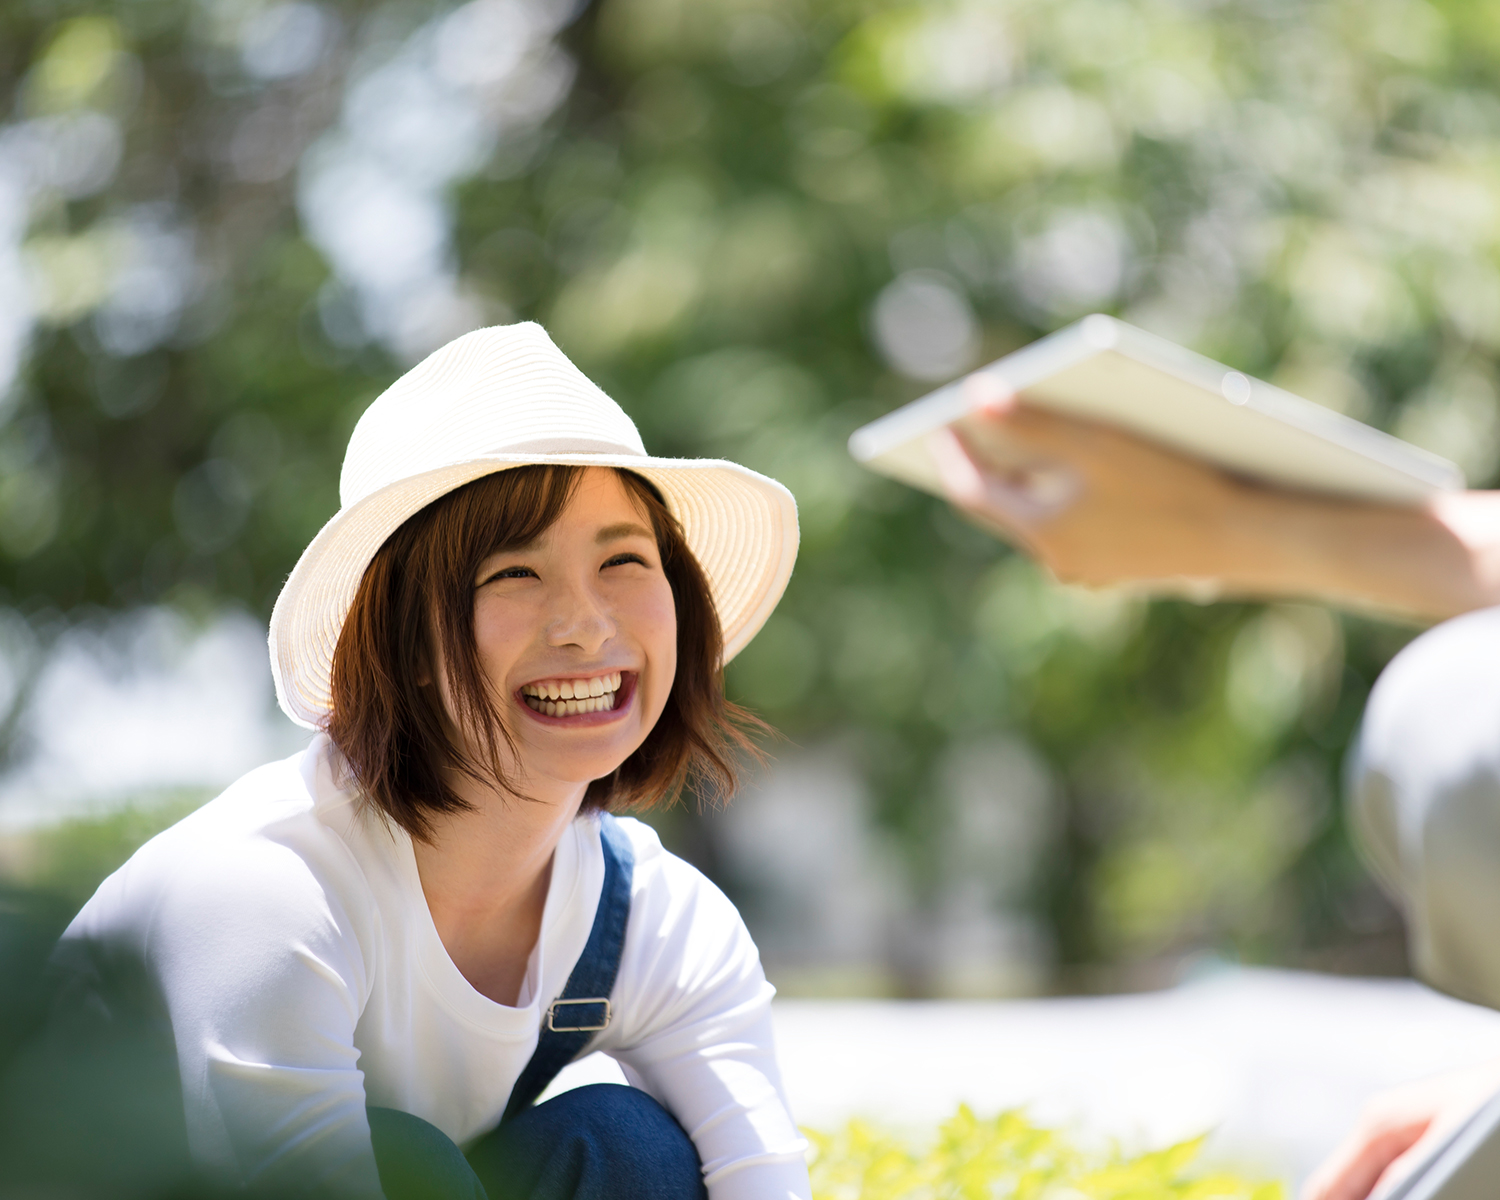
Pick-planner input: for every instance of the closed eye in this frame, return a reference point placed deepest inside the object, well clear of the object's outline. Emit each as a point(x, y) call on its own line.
point(618, 559)
point(511, 573)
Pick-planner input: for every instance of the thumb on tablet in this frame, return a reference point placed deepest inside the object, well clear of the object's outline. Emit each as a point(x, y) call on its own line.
point(1016, 496)
point(988, 394)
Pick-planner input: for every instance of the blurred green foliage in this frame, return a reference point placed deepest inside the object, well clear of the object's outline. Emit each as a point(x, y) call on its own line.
point(760, 223)
point(975, 1159)
point(66, 861)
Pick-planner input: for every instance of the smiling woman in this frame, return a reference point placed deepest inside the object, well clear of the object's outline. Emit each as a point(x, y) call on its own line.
point(525, 583)
point(383, 949)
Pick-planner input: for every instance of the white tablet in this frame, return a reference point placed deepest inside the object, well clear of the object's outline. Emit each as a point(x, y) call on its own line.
point(1106, 370)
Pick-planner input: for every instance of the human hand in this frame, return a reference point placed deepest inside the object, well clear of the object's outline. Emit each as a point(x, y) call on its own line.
point(1098, 506)
point(1095, 504)
point(1398, 1128)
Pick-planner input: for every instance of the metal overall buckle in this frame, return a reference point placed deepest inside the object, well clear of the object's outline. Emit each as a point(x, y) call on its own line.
point(554, 1027)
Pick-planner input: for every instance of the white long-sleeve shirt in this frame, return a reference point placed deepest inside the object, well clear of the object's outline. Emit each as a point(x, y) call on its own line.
point(287, 930)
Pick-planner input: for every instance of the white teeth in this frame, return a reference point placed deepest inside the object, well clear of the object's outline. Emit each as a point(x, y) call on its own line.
point(566, 698)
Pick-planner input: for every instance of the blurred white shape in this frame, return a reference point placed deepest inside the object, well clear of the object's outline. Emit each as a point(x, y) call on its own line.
point(482, 43)
point(437, 315)
point(285, 40)
point(1288, 142)
point(1347, 292)
point(1165, 103)
point(142, 703)
point(382, 231)
point(76, 154)
point(19, 647)
point(824, 889)
point(954, 54)
point(1457, 415)
point(981, 940)
point(1076, 263)
point(15, 291)
point(1060, 127)
point(373, 192)
point(151, 284)
point(1001, 815)
point(924, 326)
point(406, 113)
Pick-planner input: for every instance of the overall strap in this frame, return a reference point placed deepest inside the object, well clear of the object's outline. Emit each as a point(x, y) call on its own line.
point(583, 1008)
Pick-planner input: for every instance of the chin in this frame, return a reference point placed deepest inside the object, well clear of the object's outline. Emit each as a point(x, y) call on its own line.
point(581, 769)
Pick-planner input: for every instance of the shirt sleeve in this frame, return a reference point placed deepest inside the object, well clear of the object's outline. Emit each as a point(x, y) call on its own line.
point(264, 980)
point(694, 1030)
point(1424, 793)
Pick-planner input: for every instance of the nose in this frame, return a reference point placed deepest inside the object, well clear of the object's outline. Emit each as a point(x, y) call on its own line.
point(580, 618)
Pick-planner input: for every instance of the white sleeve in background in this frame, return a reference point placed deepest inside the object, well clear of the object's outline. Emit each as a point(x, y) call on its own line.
point(693, 1028)
point(259, 967)
point(1424, 790)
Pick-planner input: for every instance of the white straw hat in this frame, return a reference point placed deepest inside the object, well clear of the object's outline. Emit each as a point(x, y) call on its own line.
point(494, 399)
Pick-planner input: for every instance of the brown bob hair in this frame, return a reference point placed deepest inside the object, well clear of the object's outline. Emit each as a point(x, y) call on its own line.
point(416, 603)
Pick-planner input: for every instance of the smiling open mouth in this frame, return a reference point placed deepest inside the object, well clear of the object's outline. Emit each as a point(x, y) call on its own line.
point(569, 697)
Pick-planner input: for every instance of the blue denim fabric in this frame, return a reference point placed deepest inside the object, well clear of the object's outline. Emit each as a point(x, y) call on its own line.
point(601, 1142)
point(592, 977)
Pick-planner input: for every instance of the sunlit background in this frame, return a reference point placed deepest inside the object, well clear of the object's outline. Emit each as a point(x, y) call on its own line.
point(226, 225)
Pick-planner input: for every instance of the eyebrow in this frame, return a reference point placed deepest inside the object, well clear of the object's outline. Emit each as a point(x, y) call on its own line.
point(613, 533)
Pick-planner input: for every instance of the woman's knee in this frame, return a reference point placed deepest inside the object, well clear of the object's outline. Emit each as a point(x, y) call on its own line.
point(596, 1141)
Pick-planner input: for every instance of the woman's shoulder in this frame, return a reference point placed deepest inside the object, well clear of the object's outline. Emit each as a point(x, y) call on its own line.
point(668, 891)
point(655, 865)
point(271, 845)
point(688, 957)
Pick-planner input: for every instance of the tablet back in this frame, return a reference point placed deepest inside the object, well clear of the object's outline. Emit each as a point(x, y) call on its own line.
point(1106, 370)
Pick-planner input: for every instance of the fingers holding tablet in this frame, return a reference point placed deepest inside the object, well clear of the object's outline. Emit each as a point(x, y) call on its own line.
point(1095, 504)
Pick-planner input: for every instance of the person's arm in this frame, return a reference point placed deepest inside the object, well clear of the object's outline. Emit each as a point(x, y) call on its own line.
point(694, 1030)
point(263, 982)
point(1100, 506)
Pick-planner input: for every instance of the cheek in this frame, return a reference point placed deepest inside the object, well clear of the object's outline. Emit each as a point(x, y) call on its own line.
point(497, 633)
point(659, 636)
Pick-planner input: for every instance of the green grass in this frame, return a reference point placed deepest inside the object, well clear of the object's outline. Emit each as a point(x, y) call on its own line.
point(1009, 1157)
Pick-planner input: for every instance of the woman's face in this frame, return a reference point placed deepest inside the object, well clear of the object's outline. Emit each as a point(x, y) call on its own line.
point(577, 636)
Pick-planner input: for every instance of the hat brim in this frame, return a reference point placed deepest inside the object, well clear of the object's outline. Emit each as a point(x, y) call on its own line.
point(741, 526)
